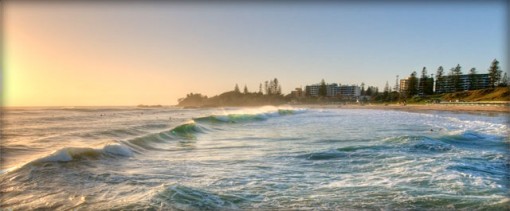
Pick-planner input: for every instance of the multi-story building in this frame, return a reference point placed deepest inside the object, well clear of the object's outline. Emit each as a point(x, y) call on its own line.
point(465, 82)
point(425, 86)
point(312, 90)
point(352, 91)
point(334, 90)
point(298, 92)
point(448, 84)
point(422, 86)
point(331, 90)
point(404, 85)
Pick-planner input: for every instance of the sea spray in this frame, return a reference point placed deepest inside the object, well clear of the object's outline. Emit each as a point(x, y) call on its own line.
point(248, 115)
point(313, 159)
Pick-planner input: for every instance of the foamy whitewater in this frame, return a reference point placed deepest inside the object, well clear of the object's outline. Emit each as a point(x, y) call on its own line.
point(121, 158)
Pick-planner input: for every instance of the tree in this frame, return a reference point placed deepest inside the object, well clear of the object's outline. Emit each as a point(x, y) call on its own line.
point(323, 89)
point(245, 91)
point(236, 89)
point(422, 86)
point(266, 88)
point(473, 82)
point(386, 91)
point(440, 83)
point(455, 73)
point(413, 83)
point(271, 87)
point(426, 85)
point(192, 100)
point(362, 88)
point(370, 91)
point(494, 73)
point(274, 88)
point(424, 72)
point(277, 88)
point(504, 80)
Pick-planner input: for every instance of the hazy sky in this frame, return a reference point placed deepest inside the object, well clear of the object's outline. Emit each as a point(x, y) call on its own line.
point(69, 54)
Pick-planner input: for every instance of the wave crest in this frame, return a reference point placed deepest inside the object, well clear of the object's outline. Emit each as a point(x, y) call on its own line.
point(245, 117)
point(77, 153)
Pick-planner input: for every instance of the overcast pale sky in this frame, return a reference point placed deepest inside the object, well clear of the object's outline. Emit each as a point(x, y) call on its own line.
point(67, 54)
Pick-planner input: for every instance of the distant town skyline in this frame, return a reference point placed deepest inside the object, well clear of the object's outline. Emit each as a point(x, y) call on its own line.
point(99, 54)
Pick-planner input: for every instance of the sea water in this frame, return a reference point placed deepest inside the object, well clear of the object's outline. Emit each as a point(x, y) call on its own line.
point(97, 158)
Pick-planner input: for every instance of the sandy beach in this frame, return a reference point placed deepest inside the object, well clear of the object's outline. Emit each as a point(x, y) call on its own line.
point(422, 107)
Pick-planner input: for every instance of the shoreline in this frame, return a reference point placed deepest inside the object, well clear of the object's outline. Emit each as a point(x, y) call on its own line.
point(418, 107)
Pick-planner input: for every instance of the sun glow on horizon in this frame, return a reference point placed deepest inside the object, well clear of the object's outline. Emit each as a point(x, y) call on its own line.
point(87, 54)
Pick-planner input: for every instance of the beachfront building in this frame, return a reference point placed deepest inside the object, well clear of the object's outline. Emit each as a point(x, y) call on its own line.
point(404, 85)
point(331, 90)
point(448, 84)
point(298, 92)
point(349, 91)
point(425, 86)
point(312, 90)
point(334, 90)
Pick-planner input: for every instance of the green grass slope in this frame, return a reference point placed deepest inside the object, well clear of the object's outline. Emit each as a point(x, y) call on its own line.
point(491, 94)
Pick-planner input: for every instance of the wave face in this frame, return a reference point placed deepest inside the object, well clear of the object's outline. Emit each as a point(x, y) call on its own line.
point(74, 153)
point(263, 158)
point(245, 117)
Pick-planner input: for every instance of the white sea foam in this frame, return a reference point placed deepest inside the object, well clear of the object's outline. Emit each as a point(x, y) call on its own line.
point(71, 153)
point(265, 110)
point(375, 160)
point(117, 149)
point(59, 155)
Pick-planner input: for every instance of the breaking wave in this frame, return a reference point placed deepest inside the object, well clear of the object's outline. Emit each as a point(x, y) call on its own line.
point(128, 148)
point(245, 117)
point(119, 149)
point(78, 153)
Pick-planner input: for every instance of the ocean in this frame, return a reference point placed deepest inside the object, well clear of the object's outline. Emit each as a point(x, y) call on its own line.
point(260, 158)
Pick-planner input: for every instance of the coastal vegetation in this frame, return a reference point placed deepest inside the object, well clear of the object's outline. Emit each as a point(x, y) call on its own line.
point(233, 98)
point(418, 89)
point(269, 94)
point(490, 94)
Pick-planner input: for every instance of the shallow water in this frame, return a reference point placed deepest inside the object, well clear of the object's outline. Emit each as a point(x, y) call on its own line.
point(252, 158)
